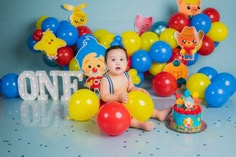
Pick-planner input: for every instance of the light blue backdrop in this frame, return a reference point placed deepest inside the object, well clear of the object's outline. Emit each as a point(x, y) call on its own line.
point(18, 19)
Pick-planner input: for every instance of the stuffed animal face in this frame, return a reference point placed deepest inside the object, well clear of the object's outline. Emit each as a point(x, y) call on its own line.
point(189, 7)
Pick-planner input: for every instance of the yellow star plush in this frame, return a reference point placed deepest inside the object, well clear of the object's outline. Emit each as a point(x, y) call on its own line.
point(49, 44)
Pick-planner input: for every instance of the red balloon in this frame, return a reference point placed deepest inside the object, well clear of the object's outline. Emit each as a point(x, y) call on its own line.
point(164, 84)
point(113, 118)
point(178, 21)
point(82, 30)
point(176, 55)
point(64, 55)
point(212, 13)
point(38, 34)
point(207, 46)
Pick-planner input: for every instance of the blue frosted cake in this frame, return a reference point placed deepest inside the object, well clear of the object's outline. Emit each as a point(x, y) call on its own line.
point(186, 115)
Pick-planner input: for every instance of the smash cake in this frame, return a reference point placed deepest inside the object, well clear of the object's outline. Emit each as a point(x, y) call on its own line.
point(186, 114)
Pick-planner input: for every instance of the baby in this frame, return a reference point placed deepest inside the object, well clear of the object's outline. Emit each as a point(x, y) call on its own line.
point(116, 84)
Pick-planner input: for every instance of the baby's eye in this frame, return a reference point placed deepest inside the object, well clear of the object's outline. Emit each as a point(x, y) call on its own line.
point(121, 59)
point(113, 60)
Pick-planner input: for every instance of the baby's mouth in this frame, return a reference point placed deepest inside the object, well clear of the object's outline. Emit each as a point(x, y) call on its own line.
point(117, 68)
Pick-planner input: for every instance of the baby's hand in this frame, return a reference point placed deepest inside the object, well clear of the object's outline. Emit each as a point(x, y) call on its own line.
point(123, 98)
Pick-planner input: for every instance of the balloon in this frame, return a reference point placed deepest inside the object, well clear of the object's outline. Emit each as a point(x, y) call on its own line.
point(83, 105)
point(201, 22)
point(73, 65)
point(141, 61)
point(0, 86)
point(106, 39)
point(131, 41)
point(218, 31)
point(212, 13)
point(39, 21)
point(227, 79)
point(197, 83)
point(99, 33)
point(207, 46)
point(176, 55)
point(160, 52)
point(64, 55)
point(147, 39)
point(134, 76)
point(9, 85)
point(158, 27)
point(164, 84)
point(168, 36)
point(30, 43)
point(140, 105)
point(113, 118)
point(178, 21)
point(208, 71)
point(156, 68)
point(82, 30)
point(38, 34)
point(68, 33)
point(216, 94)
point(50, 23)
point(49, 61)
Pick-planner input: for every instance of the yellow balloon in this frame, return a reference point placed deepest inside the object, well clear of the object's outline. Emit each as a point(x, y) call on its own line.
point(131, 41)
point(218, 31)
point(140, 105)
point(168, 36)
point(73, 65)
point(83, 105)
point(197, 83)
point(39, 21)
point(106, 39)
point(156, 68)
point(134, 76)
point(99, 33)
point(147, 39)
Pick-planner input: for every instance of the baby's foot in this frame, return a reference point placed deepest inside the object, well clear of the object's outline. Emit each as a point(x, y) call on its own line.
point(147, 126)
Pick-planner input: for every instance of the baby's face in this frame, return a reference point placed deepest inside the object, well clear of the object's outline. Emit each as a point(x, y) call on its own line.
point(116, 61)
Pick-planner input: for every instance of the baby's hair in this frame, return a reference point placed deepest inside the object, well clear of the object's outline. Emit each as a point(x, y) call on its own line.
point(114, 48)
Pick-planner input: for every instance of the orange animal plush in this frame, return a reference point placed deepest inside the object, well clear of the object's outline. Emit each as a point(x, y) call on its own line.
point(189, 7)
point(189, 39)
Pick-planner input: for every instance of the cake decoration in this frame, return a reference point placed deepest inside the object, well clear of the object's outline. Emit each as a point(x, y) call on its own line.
point(187, 114)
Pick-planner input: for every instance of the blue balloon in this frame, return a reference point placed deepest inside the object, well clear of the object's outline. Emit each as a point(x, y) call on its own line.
point(160, 52)
point(141, 76)
point(30, 43)
point(216, 94)
point(68, 33)
point(50, 23)
point(191, 62)
point(141, 61)
point(9, 85)
point(159, 27)
point(208, 71)
point(228, 80)
point(201, 22)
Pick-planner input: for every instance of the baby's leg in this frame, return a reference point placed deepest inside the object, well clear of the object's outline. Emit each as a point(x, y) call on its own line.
point(161, 114)
point(147, 126)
